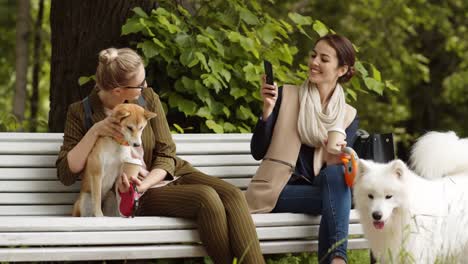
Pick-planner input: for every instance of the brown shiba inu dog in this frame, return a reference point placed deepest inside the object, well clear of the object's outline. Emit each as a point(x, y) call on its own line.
point(104, 163)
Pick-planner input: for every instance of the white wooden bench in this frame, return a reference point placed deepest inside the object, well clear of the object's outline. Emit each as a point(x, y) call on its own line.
point(35, 221)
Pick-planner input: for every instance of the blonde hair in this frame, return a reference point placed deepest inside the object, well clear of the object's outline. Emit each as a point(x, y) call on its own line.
point(116, 67)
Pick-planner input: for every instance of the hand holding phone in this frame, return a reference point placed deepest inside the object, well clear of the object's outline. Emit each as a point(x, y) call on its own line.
point(269, 90)
point(268, 72)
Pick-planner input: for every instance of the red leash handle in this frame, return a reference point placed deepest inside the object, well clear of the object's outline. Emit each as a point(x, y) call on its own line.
point(350, 165)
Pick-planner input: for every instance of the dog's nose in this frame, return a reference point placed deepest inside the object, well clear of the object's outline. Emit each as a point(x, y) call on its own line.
point(377, 215)
point(136, 144)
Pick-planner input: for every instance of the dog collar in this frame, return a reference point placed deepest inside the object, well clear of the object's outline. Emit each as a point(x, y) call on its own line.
point(122, 142)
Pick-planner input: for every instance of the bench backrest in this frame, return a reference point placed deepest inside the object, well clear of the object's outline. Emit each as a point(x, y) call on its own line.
point(29, 185)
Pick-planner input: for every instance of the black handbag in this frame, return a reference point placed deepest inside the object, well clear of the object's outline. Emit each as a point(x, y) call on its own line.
point(376, 147)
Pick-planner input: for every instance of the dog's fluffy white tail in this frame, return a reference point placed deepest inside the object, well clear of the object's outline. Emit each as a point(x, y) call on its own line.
point(437, 154)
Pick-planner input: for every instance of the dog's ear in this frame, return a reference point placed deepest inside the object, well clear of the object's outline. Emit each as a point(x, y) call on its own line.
point(363, 167)
point(398, 168)
point(148, 115)
point(121, 113)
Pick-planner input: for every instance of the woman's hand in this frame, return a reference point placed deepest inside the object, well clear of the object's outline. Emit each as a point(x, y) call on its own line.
point(269, 94)
point(110, 126)
point(123, 184)
point(142, 174)
point(333, 159)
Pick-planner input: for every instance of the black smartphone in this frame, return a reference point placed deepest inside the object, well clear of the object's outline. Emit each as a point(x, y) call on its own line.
point(268, 72)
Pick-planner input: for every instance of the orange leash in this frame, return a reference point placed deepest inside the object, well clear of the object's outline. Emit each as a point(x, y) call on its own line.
point(350, 165)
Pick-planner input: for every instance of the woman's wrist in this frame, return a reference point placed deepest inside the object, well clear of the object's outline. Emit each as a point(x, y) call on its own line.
point(93, 132)
point(266, 112)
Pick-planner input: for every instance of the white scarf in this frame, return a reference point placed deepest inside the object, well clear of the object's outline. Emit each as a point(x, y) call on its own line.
point(314, 122)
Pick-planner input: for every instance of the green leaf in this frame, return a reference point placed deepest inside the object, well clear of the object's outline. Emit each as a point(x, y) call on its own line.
point(376, 73)
point(178, 128)
point(187, 58)
point(252, 72)
point(171, 28)
point(237, 92)
point(140, 12)
point(300, 19)
point(374, 85)
point(228, 127)
point(361, 69)
point(83, 80)
point(207, 41)
point(149, 48)
point(356, 84)
point(210, 81)
point(320, 28)
point(352, 94)
point(267, 33)
point(202, 93)
point(204, 112)
point(248, 16)
point(215, 127)
point(391, 86)
point(248, 45)
point(183, 11)
point(202, 59)
point(183, 40)
point(226, 111)
point(132, 26)
point(183, 105)
point(244, 113)
point(158, 42)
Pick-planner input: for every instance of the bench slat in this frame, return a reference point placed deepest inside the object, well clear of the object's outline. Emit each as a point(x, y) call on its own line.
point(178, 138)
point(85, 224)
point(48, 161)
point(48, 210)
point(37, 198)
point(28, 174)
point(56, 186)
point(149, 236)
point(37, 186)
point(185, 148)
point(51, 173)
point(150, 251)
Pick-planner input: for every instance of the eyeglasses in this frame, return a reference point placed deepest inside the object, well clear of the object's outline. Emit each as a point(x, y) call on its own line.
point(141, 86)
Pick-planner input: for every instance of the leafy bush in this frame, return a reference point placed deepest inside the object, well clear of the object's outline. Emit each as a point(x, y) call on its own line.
point(207, 63)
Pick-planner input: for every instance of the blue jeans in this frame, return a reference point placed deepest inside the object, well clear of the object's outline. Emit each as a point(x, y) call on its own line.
point(329, 196)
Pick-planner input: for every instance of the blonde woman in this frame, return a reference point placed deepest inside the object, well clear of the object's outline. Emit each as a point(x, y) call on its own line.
point(219, 208)
point(297, 173)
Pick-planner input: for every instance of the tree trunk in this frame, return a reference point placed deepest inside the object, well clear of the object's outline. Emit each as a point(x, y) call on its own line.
point(22, 35)
point(80, 29)
point(36, 66)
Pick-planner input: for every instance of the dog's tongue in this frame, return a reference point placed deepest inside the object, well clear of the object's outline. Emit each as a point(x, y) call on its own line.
point(379, 224)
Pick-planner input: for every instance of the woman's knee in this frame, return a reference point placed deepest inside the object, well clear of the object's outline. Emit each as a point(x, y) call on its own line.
point(209, 198)
point(231, 192)
point(333, 175)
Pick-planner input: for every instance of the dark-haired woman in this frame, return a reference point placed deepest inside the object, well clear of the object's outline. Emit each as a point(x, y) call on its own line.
point(298, 173)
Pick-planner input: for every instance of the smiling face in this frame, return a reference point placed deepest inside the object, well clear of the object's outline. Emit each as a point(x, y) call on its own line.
point(323, 64)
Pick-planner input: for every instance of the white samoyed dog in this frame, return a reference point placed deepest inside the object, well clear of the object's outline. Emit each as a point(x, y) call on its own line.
point(420, 216)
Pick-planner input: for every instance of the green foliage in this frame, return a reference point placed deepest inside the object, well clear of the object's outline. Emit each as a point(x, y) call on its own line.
point(213, 58)
point(354, 257)
point(7, 62)
point(420, 48)
point(7, 68)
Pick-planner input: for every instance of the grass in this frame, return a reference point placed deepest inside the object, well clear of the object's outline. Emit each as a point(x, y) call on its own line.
point(354, 257)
